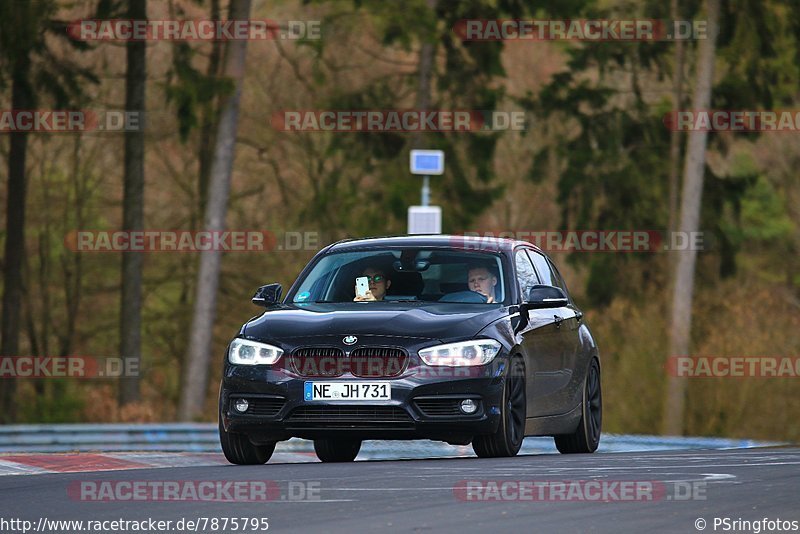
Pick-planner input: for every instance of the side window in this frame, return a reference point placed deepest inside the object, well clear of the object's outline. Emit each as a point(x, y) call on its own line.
point(559, 280)
point(543, 268)
point(526, 276)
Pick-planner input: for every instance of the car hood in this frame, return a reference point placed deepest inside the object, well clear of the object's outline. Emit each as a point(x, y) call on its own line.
point(394, 319)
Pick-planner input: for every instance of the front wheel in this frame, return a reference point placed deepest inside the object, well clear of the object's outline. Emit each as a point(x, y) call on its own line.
point(240, 451)
point(331, 450)
point(586, 437)
point(508, 439)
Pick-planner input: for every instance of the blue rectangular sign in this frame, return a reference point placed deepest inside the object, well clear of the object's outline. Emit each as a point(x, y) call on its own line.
point(427, 162)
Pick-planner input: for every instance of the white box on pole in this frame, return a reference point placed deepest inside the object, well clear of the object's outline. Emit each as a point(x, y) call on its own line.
point(424, 220)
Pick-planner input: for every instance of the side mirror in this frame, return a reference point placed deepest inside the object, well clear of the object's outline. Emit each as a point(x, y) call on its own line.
point(541, 296)
point(267, 295)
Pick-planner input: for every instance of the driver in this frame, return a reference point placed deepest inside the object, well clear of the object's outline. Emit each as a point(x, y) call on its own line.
point(378, 284)
point(481, 280)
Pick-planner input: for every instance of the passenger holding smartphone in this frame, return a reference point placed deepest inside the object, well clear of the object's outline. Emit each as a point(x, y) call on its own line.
point(378, 284)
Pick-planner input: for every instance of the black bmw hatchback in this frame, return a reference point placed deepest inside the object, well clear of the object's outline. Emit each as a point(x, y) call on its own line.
point(462, 340)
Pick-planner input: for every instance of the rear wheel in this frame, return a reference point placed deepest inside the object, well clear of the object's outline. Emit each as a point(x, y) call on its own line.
point(333, 450)
point(508, 439)
point(586, 437)
point(239, 450)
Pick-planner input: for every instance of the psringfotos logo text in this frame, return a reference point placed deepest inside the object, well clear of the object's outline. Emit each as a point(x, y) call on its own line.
point(756, 526)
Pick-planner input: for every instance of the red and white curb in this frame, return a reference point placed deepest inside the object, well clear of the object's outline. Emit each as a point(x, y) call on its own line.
point(84, 462)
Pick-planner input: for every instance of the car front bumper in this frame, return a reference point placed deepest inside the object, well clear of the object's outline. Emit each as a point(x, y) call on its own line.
point(424, 404)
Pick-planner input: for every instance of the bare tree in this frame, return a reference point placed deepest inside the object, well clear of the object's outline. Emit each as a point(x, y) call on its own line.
point(675, 135)
point(426, 68)
point(130, 317)
point(692, 192)
point(209, 118)
point(27, 31)
point(15, 231)
point(195, 375)
point(20, 34)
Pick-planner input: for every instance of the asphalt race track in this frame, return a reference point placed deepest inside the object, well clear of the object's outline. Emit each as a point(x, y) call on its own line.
point(676, 489)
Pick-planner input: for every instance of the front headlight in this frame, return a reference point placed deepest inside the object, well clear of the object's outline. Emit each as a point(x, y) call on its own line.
point(476, 352)
point(246, 352)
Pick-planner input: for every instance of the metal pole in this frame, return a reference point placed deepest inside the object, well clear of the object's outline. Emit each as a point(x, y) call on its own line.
point(426, 190)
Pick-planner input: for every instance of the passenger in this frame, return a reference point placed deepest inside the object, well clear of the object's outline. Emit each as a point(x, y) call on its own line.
point(481, 280)
point(378, 284)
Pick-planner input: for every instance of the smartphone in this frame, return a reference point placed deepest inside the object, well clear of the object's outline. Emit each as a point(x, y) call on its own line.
point(362, 286)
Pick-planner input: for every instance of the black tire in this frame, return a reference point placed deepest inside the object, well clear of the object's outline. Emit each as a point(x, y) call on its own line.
point(586, 437)
point(507, 440)
point(240, 451)
point(333, 450)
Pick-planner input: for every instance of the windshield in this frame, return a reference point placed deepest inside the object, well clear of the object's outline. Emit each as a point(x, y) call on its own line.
point(402, 275)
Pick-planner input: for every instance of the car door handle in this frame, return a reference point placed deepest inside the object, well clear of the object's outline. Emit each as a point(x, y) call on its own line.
point(558, 319)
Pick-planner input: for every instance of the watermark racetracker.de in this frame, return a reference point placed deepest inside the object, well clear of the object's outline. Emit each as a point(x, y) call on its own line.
point(189, 240)
point(578, 490)
point(587, 240)
point(70, 120)
point(193, 490)
point(398, 120)
point(743, 120)
point(67, 367)
point(733, 366)
point(587, 30)
point(193, 30)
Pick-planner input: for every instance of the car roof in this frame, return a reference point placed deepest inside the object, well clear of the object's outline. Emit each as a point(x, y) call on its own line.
point(466, 242)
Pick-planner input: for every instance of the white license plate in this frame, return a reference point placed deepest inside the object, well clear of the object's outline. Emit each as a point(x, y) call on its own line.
point(347, 391)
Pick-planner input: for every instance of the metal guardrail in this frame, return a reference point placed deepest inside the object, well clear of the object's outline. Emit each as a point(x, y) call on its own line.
point(167, 437)
point(202, 437)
